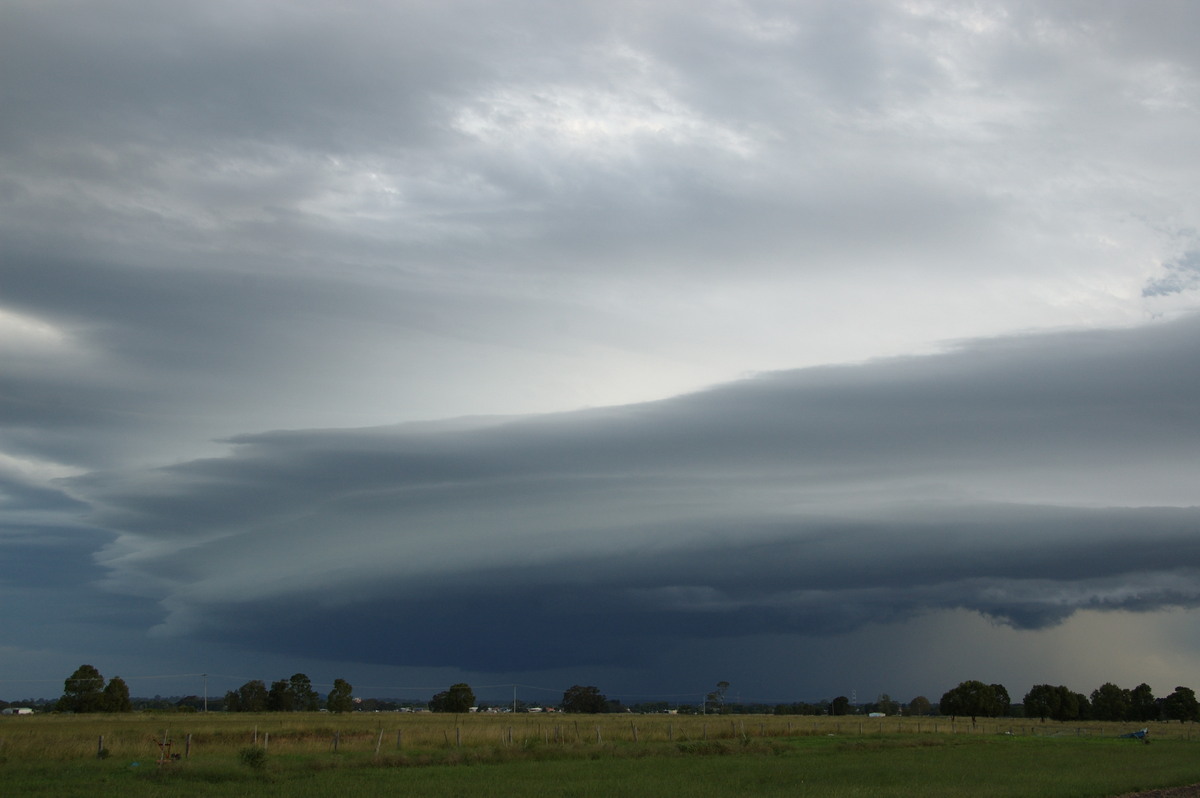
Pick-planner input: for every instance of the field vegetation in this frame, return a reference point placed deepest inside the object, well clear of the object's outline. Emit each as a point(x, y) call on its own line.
point(316, 754)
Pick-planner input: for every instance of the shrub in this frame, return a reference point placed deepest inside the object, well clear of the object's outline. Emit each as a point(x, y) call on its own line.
point(253, 757)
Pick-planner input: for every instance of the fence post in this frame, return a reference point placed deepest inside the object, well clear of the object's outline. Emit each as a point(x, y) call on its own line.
point(379, 742)
point(187, 746)
point(100, 747)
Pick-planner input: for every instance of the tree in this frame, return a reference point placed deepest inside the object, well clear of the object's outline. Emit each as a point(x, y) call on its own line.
point(974, 698)
point(886, 705)
point(584, 699)
point(304, 697)
point(459, 698)
point(116, 696)
point(717, 697)
point(250, 697)
point(281, 698)
point(83, 691)
point(920, 706)
point(1041, 702)
point(1110, 702)
point(839, 705)
point(1083, 707)
point(341, 698)
point(1054, 702)
point(1142, 703)
point(1003, 702)
point(1181, 705)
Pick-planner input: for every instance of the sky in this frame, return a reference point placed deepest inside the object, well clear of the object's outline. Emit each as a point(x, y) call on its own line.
point(823, 348)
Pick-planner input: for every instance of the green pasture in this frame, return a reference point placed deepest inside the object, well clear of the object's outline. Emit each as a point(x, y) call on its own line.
point(567, 755)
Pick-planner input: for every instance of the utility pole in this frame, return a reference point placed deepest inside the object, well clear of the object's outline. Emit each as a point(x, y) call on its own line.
point(205, 675)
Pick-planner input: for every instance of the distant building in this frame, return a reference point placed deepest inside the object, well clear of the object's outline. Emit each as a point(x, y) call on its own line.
point(16, 711)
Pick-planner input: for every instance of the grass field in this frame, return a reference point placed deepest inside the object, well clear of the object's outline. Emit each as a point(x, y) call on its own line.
point(566, 755)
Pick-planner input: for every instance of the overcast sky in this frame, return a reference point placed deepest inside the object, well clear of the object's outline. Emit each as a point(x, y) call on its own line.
point(825, 348)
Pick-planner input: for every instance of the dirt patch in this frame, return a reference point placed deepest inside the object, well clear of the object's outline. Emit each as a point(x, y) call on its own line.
point(1190, 791)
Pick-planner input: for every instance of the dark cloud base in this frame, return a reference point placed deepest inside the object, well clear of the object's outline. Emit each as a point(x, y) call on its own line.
point(805, 503)
point(620, 610)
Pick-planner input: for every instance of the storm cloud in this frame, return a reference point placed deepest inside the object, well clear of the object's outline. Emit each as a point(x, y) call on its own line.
point(806, 502)
point(678, 323)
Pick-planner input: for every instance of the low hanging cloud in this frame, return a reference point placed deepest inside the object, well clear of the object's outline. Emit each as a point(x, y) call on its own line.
point(1024, 478)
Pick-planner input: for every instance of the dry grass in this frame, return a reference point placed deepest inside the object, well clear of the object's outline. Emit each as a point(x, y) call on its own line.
point(133, 736)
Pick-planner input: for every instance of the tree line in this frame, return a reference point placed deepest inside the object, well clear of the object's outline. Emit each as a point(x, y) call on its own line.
point(1057, 702)
point(295, 694)
point(86, 690)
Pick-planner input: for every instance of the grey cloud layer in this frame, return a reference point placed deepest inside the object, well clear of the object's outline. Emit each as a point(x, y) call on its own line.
point(800, 502)
point(223, 218)
point(235, 218)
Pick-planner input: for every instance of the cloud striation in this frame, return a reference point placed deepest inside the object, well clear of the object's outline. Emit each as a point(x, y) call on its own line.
point(803, 502)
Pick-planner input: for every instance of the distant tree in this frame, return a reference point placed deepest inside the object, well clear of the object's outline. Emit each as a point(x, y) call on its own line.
point(280, 697)
point(920, 706)
point(885, 705)
point(1003, 701)
point(116, 696)
point(304, 697)
point(1110, 702)
point(1181, 705)
point(1143, 706)
point(717, 697)
point(341, 697)
point(584, 699)
point(1083, 707)
point(974, 698)
point(1041, 701)
point(459, 698)
point(1054, 702)
point(83, 691)
point(839, 705)
point(250, 697)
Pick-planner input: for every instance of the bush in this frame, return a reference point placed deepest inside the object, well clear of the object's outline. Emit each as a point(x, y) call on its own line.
point(253, 757)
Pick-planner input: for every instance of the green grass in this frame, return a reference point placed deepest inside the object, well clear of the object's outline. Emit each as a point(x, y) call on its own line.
point(714, 758)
